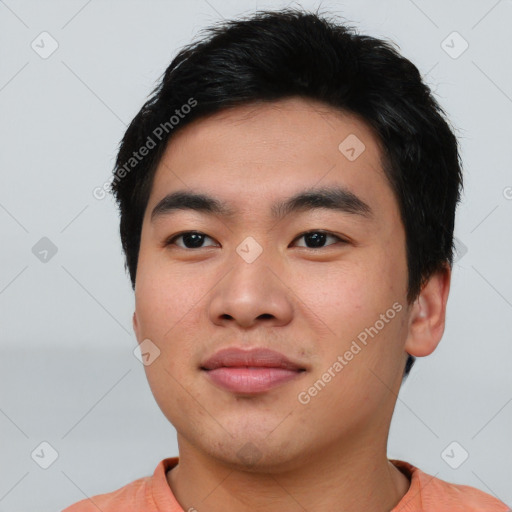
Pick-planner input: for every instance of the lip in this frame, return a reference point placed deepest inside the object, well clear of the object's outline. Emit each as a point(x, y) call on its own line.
point(250, 371)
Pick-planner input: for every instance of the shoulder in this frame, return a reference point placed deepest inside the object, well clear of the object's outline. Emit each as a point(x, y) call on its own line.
point(435, 495)
point(456, 497)
point(125, 498)
point(146, 494)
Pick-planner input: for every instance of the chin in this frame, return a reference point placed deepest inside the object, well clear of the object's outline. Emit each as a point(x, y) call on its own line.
point(255, 453)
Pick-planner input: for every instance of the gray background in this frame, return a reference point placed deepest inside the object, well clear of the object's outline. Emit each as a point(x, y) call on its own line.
point(68, 373)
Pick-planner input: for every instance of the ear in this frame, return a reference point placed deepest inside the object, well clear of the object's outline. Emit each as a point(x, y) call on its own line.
point(427, 315)
point(135, 325)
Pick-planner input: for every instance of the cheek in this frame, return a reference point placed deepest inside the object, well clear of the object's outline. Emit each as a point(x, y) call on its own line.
point(342, 297)
point(363, 304)
point(168, 307)
point(164, 297)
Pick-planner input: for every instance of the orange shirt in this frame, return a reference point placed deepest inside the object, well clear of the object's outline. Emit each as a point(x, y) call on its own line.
point(425, 494)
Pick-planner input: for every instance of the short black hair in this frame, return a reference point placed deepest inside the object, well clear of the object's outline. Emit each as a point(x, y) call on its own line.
point(273, 55)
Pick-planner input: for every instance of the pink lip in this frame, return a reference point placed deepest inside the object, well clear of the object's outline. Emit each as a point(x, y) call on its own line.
point(250, 371)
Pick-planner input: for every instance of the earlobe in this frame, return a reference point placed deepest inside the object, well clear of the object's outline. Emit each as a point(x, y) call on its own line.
point(427, 316)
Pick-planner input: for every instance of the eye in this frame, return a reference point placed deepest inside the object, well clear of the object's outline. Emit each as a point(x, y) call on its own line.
point(317, 238)
point(191, 240)
point(195, 239)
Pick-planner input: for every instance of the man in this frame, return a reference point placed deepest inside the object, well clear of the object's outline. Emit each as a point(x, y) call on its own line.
point(287, 200)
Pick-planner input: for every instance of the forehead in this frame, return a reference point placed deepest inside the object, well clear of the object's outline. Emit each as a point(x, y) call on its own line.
point(252, 154)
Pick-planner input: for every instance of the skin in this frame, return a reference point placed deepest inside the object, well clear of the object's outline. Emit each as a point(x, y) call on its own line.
point(308, 303)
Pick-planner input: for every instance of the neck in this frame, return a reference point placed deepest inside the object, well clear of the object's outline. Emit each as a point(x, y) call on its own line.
point(361, 478)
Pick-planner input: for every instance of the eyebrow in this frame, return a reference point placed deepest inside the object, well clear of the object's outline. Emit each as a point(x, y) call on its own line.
point(333, 198)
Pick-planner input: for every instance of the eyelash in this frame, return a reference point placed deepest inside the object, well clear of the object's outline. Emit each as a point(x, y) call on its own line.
point(171, 240)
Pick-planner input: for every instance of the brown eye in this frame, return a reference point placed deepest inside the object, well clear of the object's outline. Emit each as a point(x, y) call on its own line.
point(191, 240)
point(317, 239)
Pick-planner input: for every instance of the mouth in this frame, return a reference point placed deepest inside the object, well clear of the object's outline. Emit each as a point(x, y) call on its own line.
point(250, 371)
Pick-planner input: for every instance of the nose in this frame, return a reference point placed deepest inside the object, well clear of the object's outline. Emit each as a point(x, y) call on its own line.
point(252, 293)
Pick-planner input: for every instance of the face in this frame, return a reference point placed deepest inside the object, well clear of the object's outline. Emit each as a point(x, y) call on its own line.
point(323, 283)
